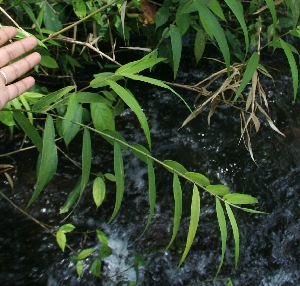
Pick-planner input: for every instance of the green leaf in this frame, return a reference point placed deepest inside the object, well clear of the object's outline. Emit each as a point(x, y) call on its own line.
point(29, 129)
point(248, 74)
point(235, 231)
point(271, 6)
point(67, 228)
point(79, 268)
point(139, 65)
point(194, 221)
point(105, 250)
point(48, 160)
point(237, 9)
point(61, 240)
point(100, 79)
point(157, 82)
point(293, 66)
point(152, 191)
point(229, 282)
point(213, 27)
point(86, 159)
point(177, 192)
point(111, 136)
point(199, 45)
point(219, 190)
point(253, 211)
point(85, 253)
point(79, 8)
point(176, 47)
point(215, 7)
point(175, 167)
point(198, 178)
point(130, 100)
point(48, 62)
point(183, 22)
point(119, 174)
point(99, 191)
point(102, 116)
point(141, 152)
point(44, 104)
point(51, 19)
point(73, 114)
point(223, 230)
point(162, 16)
point(96, 267)
point(239, 199)
point(72, 198)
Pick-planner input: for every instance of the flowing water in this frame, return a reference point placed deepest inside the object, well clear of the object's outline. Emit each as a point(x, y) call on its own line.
point(270, 243)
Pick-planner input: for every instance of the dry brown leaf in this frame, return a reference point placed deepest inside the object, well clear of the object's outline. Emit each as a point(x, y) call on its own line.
point(212, 109)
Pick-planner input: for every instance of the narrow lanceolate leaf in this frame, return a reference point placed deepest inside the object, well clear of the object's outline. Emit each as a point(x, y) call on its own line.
point(141, 152)
point(176, 47)
point(213, 27)
point(237, 9)
point(44, 103)
point(130, 100)
point(235, 231)
point(293, 65)
point(271, 6)
point(199, 45)
point(73, 114)
point(157, 83)
point(253, 211)
point(29, 129)
point(99, 191)
point(102, 116)
point(72, 198)
point(249, 72)
point(223, 230)
point(198, 178)
point(175, 167)
point(240, 199)
point(152, 191)
point(119, 174)
point(194, 221)
point(48, 159)
point(86, 159)
point(219, 190)
point(177, 192)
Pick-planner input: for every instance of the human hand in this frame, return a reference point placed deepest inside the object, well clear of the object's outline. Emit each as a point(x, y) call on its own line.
point(9, 72)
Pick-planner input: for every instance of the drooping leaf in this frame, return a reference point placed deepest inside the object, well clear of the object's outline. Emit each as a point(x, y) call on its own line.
point(73, 114)
point(253, 211)
point(61, 240)
point(102, 116)
point(198, 178)
point(112, 135)
point(119, 174)
point(293, 66)
point(51, 18)
point(239, 199)
point(99, 191)
point(176, 44)
point(199, 45)
point(48, 159)
point(141, 152)
point(194, 221)
point(219, 190)
point(237, 8)
point(223, 230)
point(177, 192)
point(72, 198)
point(235, 231)
point(86, 159)
point(248, 74)
point(162, 16)
point(44, 103)
point(213, 27)
point(29, 129)
point(183, 22)
point(175, 167)
point(105, 250)
point(157, 83)
point(100, 79)
point(130, 100)
point(79, 268)
point(271, 6)
point(123, 14)
point(215, 7)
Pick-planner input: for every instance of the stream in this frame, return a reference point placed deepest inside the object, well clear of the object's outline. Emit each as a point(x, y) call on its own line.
point(270, 243)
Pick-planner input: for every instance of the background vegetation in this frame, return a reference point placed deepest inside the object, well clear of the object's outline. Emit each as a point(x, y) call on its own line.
point(117, 42)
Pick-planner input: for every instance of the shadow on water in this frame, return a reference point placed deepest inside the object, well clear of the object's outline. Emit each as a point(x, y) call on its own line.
point(270, 244)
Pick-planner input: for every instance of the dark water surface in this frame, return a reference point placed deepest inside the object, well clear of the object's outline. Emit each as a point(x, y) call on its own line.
point(270, 244)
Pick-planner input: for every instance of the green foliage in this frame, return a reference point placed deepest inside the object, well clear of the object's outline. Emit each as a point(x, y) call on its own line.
point(70, 112)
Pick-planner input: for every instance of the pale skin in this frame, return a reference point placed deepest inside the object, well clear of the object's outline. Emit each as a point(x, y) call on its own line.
point(14, 70)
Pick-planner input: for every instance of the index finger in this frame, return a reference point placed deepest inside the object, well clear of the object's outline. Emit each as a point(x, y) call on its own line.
point(16, 49)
